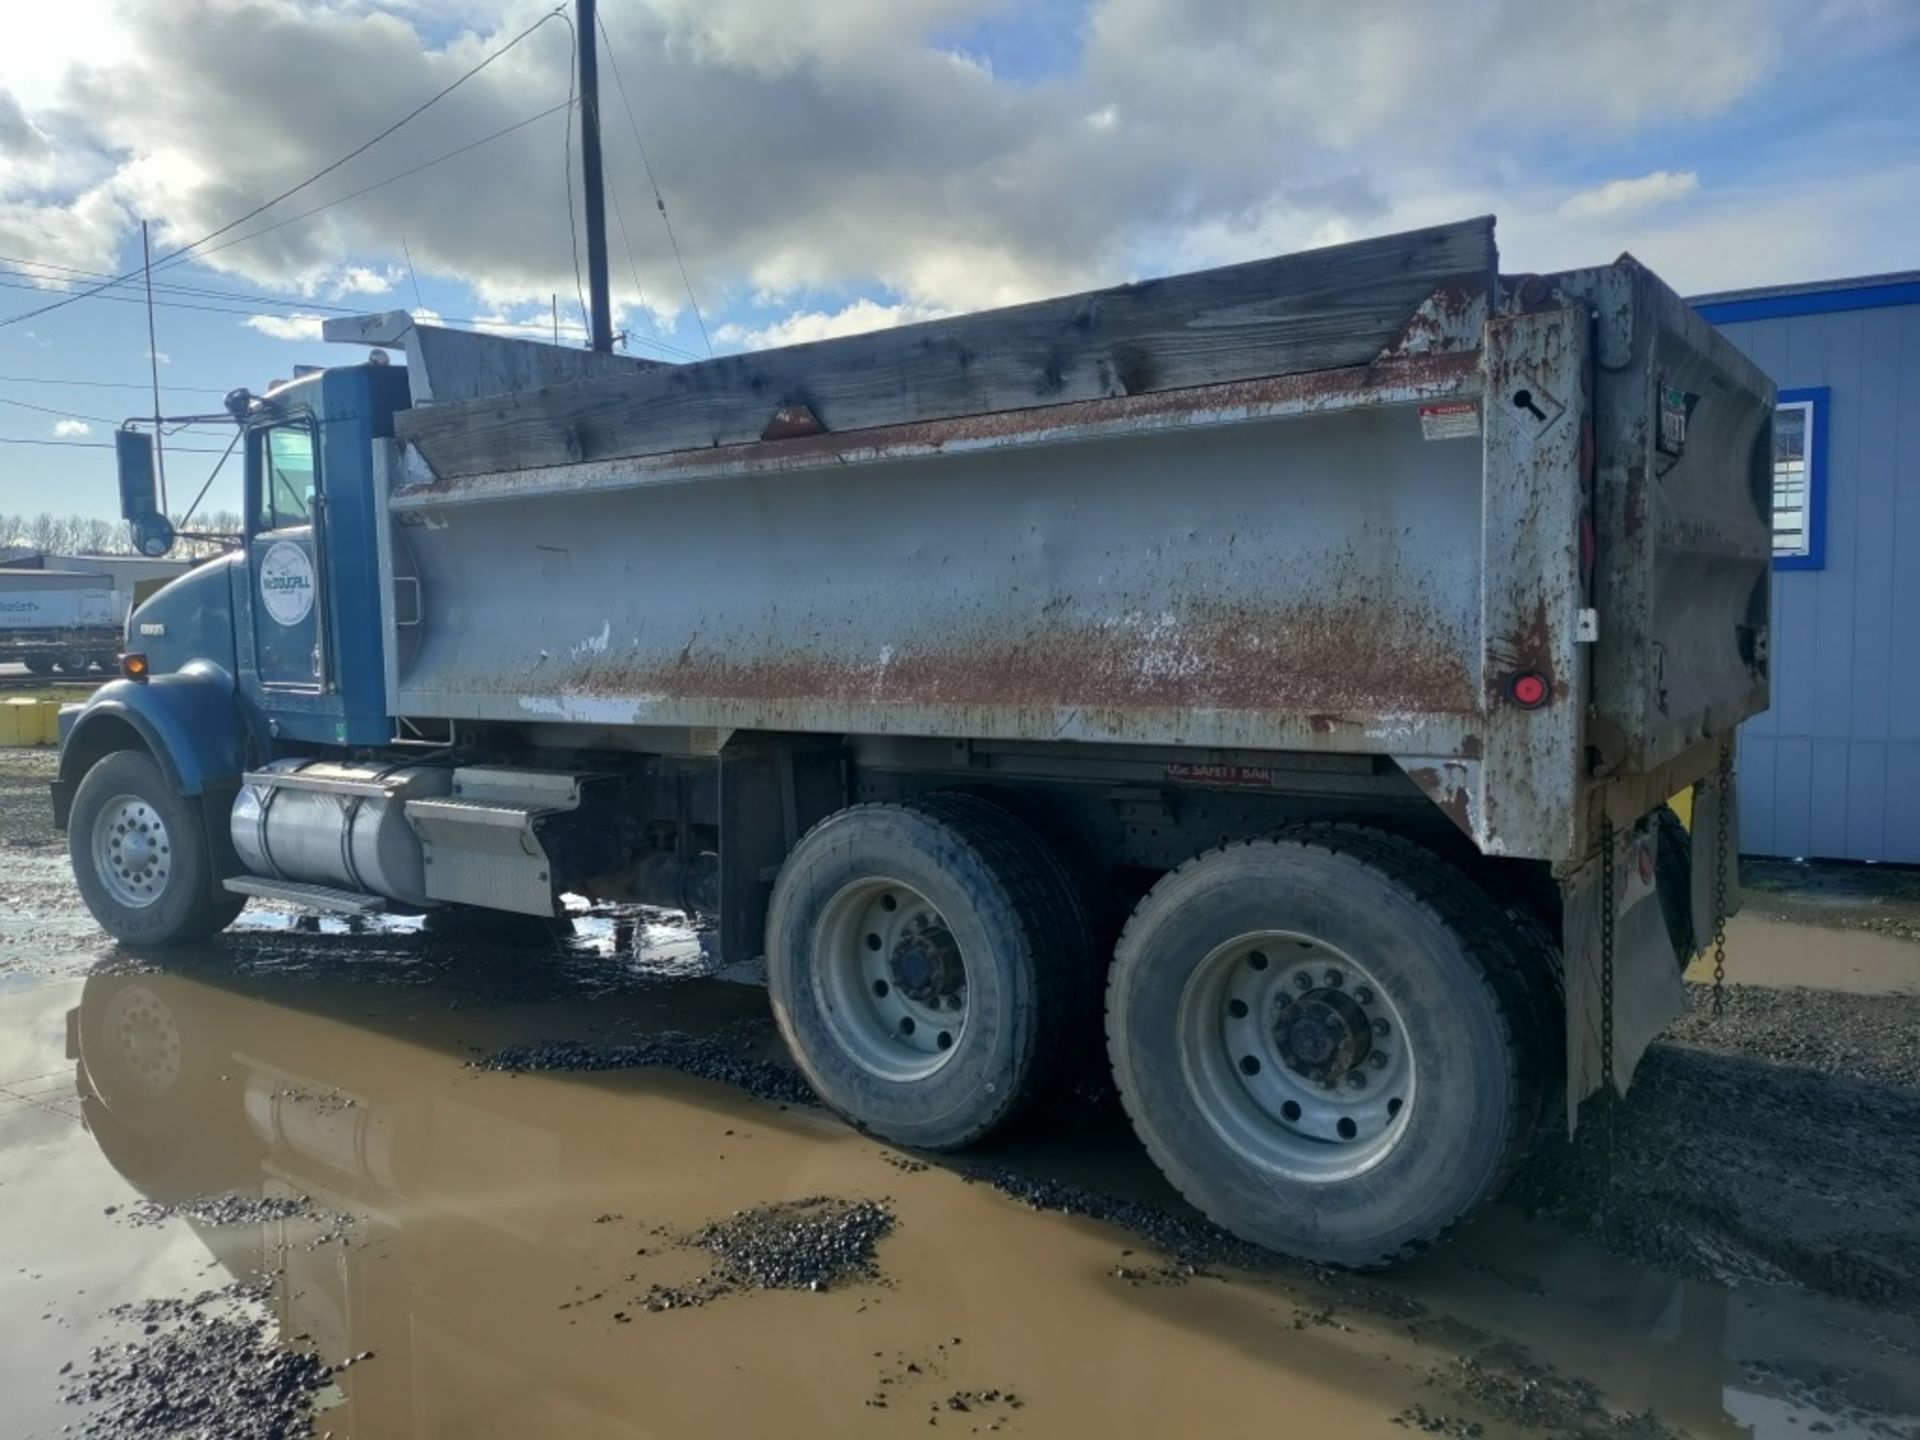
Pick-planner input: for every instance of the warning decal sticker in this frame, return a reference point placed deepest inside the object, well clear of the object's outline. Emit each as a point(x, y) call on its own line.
point(1450, 420)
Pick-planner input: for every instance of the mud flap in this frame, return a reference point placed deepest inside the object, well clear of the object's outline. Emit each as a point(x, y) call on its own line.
point(1648, 992)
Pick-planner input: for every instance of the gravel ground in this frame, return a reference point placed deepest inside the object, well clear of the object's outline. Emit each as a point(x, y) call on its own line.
point(819, 1243)
point(208, 1366)
point(1751, 1161)
point(1873, 1038)
point(26, 814)
point(726, 1058)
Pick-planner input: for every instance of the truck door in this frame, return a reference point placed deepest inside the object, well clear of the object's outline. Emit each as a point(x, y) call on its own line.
point(289, 632)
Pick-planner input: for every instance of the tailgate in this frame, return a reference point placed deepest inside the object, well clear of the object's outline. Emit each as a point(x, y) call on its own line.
point(1683, 518)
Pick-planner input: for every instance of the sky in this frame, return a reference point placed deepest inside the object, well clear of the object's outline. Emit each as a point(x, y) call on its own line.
point(839, 165)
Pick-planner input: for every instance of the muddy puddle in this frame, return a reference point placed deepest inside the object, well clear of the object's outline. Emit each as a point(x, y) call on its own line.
point(293, 1169)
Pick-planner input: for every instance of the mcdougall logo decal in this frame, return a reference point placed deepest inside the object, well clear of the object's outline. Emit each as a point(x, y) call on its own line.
point(286, 583)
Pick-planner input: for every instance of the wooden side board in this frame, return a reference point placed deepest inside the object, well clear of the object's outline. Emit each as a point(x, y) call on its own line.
point(1318, 310)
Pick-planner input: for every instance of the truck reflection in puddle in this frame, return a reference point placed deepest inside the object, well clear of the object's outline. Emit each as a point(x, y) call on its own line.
point(507, 1230)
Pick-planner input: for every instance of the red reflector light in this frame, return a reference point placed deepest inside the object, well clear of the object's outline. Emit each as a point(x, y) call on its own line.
point(134, 667)
point(1528, 689)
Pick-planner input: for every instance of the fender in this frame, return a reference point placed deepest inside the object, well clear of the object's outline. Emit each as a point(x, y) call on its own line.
point(188, 719)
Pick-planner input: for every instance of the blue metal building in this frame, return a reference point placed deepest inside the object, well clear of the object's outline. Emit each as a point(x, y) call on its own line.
point(1832, 771)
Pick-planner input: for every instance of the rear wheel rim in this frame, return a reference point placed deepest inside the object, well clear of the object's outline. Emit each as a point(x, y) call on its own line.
point(1296, 1055)
point(890, 979)
point(132, 852)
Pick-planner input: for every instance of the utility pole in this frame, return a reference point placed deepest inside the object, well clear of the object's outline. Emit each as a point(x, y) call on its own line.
point(601, 318)
point(153, 361)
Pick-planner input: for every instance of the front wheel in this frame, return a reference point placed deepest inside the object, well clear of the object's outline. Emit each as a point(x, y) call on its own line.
point(39, 664)
point(140, 856)
point(1323, 1045)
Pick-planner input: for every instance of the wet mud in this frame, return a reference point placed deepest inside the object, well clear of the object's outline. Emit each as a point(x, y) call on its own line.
point(371, 1181)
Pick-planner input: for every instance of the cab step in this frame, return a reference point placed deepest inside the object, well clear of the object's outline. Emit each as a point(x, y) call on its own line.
point(308, 897)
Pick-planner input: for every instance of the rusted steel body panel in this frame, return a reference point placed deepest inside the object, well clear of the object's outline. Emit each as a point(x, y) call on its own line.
point(1229, 586)
point(1364, 560)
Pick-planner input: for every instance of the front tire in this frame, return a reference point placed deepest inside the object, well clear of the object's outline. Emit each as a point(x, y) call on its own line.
point(1325, 1043)
point(922, 960)
point(140, 856)
point(39, 664)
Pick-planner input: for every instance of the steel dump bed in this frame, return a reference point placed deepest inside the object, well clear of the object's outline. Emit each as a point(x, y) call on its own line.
point(1373, 505)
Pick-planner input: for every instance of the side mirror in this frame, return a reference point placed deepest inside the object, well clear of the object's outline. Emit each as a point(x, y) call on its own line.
point(152, 535)
point(152, 532)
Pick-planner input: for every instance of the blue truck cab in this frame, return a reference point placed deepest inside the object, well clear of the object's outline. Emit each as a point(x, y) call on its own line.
point(271, 650)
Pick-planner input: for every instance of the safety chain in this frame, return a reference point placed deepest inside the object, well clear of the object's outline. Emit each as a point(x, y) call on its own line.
point(1724, 804)
point(1606, 954)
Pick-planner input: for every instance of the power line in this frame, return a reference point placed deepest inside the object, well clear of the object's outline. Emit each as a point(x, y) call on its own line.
point(658, 200)
point(367, 189)
point(164, 304)
point(478, 321)
point(98, 445)
point(107, 384)
point(639, 290)
point(321, 174)
point(63, 414)
point(196, 291)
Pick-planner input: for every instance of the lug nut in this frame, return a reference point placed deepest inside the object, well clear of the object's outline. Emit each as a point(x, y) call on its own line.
point(1380, 1027)
point(1357, 1079)
point(1335, 979)
point(1303, 981)
point(1378, 1059)
point(1363, 995)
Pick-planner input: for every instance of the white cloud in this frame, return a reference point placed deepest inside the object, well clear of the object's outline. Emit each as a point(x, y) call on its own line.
point(803, 325)
point(1619, 198)
point(833, 149)
point(69, 428)
point(363, 280)
point(286, 327)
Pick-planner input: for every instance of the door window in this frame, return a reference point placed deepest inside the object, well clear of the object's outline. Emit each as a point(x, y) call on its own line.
point(286, 477)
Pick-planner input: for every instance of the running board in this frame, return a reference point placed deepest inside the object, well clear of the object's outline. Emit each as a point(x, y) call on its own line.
point(310, 897)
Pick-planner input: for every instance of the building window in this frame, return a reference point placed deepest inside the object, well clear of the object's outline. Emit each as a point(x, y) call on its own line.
point(1800, 480)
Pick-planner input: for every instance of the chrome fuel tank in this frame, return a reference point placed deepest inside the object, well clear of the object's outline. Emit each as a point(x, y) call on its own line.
point(324, 823)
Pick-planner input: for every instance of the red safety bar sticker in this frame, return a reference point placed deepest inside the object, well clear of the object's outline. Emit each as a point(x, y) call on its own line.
point(1450, 420)
point(1218, 774)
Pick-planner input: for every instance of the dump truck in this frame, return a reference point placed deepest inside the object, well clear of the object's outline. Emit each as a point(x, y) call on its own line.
point(1260, 685)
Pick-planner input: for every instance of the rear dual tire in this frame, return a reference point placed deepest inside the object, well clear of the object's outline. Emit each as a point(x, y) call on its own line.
point(929, 965)
point(1333, 1043)
point(1236, 1026)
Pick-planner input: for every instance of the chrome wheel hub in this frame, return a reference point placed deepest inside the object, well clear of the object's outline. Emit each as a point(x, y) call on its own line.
point(132, 852)
point(891, 979)
point(1295, 1053)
